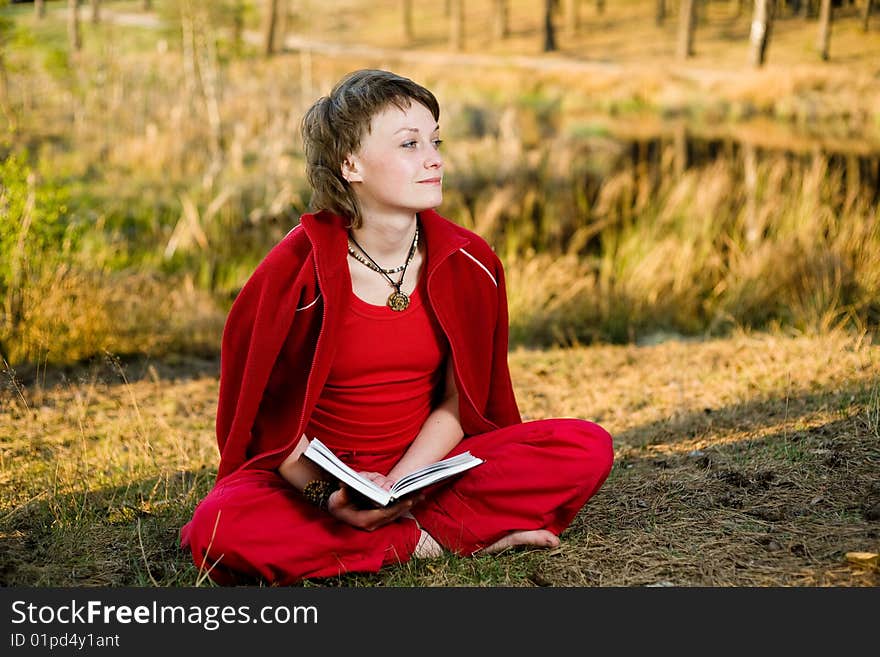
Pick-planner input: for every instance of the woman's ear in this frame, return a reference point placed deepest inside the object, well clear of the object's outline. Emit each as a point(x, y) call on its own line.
point(351, 170)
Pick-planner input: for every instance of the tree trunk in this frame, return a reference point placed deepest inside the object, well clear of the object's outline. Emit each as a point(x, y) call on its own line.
point(759, 38)
point(687, 14)
point(600, 6)
point(39, 8)
point(500, 24)
point(866, 14)
point(147, 5)
point(572, 16)
point(549, 32)
point(406, 9)
point(456, 25)
point(96, 11)
point(73, 25)
point(660, 14)
point(739, 8)
point(824, 40)
point(269, 27)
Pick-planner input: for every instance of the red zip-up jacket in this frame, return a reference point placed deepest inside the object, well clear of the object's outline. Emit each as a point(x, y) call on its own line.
point(280, 335)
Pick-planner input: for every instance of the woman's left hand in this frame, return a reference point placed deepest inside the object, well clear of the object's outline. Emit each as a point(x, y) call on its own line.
point(379, 479)
point(342, 507)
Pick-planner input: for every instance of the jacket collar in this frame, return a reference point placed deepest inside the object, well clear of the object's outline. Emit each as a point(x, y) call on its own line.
point(328, 234)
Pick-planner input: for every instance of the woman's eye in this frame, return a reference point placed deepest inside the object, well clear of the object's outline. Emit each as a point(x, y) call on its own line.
point(413, 143)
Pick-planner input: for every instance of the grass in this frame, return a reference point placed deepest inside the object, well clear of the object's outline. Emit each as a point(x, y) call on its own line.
point(741, 458)
point(748, 461)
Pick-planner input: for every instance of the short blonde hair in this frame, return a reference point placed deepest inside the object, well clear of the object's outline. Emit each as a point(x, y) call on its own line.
point(334, 125)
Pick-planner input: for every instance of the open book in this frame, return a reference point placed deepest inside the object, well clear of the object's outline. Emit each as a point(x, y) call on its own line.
point(321, 455)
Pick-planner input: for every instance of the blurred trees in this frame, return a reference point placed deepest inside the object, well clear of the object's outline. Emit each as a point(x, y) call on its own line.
point(686, 23)
point(569, 12)
point(406, 9)
point(660, 12)
point(549, 29)
point(73, 31)
point(500, 27)
point(824, 39)
point(269, 27)
point(572, 16)
point(456, 24)
point(759, 36)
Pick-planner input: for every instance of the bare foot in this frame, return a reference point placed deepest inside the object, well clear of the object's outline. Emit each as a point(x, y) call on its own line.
point(427, 547)
point(536, 538)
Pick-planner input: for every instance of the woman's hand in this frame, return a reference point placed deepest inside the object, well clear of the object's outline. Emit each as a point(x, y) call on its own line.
point(380, 480)
point(344, 508)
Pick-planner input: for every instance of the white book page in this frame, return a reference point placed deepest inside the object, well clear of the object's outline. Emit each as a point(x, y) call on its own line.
point(445, 464)
point(324, 457)
point(434, 473)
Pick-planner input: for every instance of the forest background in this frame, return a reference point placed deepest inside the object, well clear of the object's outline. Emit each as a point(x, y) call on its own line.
point(684, 195)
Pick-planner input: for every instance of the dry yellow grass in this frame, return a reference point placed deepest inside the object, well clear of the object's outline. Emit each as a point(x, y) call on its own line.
point(746, 461)
point(72, 314)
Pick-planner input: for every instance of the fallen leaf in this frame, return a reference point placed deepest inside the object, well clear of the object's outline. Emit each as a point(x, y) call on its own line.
point(864, 559)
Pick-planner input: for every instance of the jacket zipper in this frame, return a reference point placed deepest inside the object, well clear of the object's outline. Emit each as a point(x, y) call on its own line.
point(439, 314)
point(302, 418)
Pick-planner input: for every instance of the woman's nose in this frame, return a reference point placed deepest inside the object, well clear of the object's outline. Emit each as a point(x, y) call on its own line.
point(434, 161)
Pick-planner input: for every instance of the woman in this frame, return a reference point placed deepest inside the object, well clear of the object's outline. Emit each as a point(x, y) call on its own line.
point(381, 328)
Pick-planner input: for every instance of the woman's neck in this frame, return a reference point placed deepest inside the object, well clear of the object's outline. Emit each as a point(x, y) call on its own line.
point(386, 240)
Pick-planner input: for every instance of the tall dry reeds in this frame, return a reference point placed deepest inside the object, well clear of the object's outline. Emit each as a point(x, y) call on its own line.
point(182, 165)
point(613, 257)
point(72, 313)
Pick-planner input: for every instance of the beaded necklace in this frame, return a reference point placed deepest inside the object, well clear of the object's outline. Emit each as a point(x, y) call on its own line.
point(397, 301)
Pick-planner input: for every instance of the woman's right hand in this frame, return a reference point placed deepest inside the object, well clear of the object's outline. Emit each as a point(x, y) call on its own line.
point(341, 505)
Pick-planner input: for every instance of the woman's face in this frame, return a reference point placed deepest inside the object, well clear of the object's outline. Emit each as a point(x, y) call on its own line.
point(398, 167)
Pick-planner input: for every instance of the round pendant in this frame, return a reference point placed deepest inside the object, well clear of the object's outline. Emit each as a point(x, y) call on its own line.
point(398, 301)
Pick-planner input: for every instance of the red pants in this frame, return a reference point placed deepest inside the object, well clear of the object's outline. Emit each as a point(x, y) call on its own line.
point(537, 475)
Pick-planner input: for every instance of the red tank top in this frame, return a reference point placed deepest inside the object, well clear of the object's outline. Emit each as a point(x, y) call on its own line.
point(385, 378)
